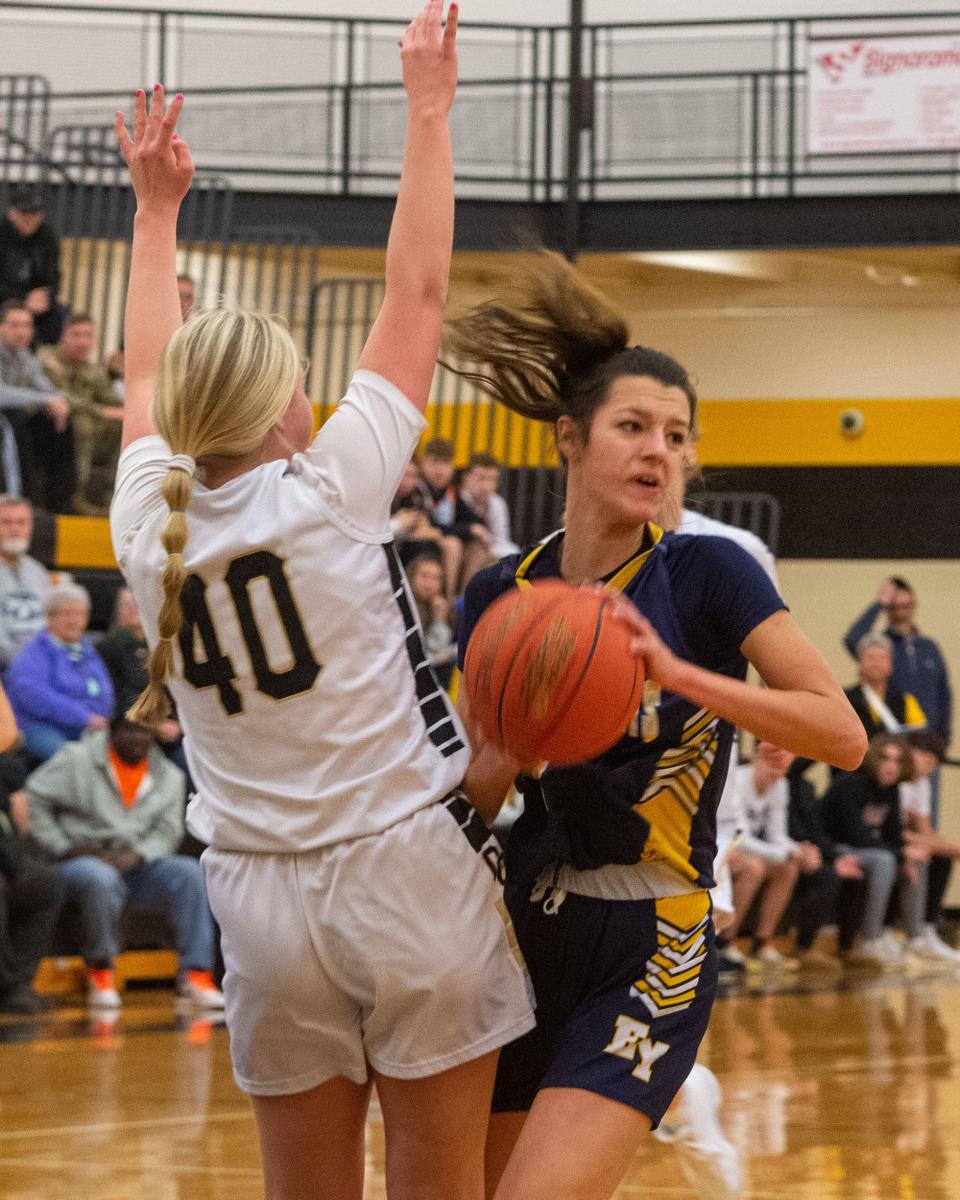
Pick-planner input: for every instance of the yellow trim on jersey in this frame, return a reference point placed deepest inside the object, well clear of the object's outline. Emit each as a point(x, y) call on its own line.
point(670, 981)
point(627, 572)
point(672, 796)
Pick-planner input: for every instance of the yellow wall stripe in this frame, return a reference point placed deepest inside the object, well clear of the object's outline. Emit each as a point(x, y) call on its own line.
point(84, 542)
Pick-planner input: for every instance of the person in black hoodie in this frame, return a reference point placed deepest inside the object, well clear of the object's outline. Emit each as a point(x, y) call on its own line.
point(861, 813)
point(830, 889)
point(30, 889)
point(30, 261)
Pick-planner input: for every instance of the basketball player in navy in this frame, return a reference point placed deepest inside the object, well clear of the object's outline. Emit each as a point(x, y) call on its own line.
point(618, 938)
point(364, 932)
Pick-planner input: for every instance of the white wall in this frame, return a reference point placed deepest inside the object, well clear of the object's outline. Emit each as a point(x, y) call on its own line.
point(555, 11)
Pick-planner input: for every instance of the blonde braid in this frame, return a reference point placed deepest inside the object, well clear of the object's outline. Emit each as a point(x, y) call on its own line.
point(153, 705)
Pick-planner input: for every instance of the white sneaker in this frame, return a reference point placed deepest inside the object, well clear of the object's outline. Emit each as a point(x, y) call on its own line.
point(709, 1160)
point(929, 945)
point(892, 948)
point(770, 956)
point(198, 987)
point(102, 989)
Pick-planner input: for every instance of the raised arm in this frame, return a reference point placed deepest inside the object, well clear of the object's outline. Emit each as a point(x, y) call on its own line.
point(405, 338)
point(160, 170)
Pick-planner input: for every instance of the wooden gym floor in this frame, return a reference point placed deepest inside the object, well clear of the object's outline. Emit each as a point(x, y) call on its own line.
point(850, 1091)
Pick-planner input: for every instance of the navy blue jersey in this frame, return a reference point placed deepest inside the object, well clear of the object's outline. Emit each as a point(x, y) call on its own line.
point(704, 596)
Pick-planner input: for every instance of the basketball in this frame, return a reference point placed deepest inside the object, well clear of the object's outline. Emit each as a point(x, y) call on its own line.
point(549, 675)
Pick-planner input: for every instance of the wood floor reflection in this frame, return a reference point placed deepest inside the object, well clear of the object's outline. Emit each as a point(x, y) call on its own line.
point(827, 1093)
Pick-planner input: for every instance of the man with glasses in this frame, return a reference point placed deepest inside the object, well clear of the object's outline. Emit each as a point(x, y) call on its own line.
point(919, 668)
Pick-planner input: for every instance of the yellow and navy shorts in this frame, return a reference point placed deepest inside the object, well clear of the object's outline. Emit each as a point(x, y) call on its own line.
point(624, 991)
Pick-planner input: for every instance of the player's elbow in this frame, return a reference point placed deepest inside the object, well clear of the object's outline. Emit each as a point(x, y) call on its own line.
point(850, 743)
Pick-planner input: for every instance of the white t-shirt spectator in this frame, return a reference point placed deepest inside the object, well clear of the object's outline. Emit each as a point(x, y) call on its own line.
point(765, 817)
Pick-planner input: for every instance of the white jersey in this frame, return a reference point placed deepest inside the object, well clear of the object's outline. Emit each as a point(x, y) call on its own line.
point(696, 522)
point(311, 714)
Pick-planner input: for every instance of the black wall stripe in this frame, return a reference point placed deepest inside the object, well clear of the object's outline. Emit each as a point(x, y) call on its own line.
point(856, 512)
point(431, 698)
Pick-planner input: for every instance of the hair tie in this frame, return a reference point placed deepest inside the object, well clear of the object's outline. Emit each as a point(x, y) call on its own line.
point(183, 462)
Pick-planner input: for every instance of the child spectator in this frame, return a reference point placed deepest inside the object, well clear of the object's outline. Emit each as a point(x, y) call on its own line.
point(766, 858)
point(412, 527)
point(426, 582)
point(927, 751)
point(861, 813)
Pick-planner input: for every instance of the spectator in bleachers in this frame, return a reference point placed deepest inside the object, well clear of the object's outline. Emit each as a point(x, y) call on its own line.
point(861, 813)
point(30, 889)
point(767, 857)
point(30, 260)
point(109, 809)
point(94, 412)
point(876, 699)
point(426, 582)
point(822, 896)
point(919, 667)
point(58, 684)
point(414, 531)
point(24, 582)
point(125, 651)
point(439, 489)
point(43, 467)
point(115, 373)
point(481, 517)
point(926, 750)
point(187, 291)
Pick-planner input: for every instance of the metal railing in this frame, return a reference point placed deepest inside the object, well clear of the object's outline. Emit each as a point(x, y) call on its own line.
point(680, 109)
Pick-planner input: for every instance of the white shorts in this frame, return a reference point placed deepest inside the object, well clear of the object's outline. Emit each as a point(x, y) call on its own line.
point(394, 950)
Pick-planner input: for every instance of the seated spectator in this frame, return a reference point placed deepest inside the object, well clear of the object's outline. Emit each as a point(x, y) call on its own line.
point(124, 650)
point(413, 530)
point(30, 260)
point(822, 896)
point(927, 751)
point(59, 685)
point(481, 518)
point(30, 889)
point(39, 417)
point(426, 582)
point(94, 412)
point(876, 700)
point(439, 490)
point(861, 813)
point(765, 858)
point(109, 809)
point(24, 582)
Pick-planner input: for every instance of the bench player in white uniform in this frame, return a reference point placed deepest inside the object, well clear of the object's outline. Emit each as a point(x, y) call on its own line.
point(364, 932)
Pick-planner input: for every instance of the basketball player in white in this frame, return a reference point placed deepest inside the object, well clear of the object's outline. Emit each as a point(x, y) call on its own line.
point(355, 887)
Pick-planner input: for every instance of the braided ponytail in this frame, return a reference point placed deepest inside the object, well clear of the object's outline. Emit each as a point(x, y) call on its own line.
point(153, 705)
point(224, 381)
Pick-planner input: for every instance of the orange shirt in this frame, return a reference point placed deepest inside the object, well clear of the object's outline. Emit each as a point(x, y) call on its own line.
point(129, 777)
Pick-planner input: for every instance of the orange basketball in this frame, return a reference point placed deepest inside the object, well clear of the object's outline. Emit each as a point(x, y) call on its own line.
point(549, 674)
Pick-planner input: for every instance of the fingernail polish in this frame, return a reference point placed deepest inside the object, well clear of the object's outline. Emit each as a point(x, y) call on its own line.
point(178, 96)
point(139, 92)
point(156, 87)
point(175, 138)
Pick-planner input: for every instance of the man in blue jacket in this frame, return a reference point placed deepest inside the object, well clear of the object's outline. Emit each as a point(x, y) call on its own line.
point(918, 663)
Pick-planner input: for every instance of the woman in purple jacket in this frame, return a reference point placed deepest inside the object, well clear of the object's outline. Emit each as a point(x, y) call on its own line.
point(58, 684)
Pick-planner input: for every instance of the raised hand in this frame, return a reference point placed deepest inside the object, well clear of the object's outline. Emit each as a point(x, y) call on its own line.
point(159, 159)
point(428, 51)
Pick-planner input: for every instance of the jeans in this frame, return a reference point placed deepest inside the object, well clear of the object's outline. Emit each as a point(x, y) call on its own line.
point(173, 884)
point(880, 868)
point(43, 741)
